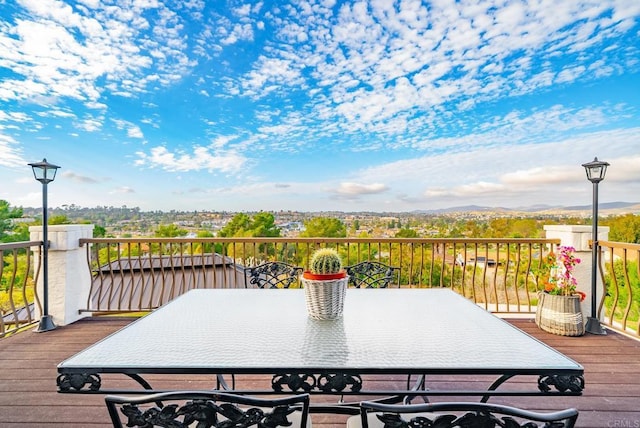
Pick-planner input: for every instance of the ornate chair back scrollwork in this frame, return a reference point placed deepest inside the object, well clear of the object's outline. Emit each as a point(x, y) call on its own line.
point(371, 274)
point(272, 275)
point(456, 414)
point(209, 409)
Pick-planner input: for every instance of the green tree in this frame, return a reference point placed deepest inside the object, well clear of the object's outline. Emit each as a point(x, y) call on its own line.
point(498, 227)
point(99, 231)
point(525, 228)
point(261, 224)
point(475, 229)
point(264, 224)
point(324, 227)
point(236, 227)
point(20, 233)
point(6, 215)
point(624, 228)
point(406, 233)
point(169, 231)
point(355, 227)
point(207, 247)
point(58, 219)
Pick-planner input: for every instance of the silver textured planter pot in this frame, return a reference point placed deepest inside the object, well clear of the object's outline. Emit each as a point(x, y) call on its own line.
point(325, 298)
point(560, 314)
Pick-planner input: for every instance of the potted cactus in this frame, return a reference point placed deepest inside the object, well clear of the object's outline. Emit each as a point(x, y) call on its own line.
point(325, 285)
point(325, 264)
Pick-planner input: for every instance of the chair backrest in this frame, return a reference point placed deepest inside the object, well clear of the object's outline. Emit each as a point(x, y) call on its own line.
point(371, 274)
point(207, 408)
point(272, 275)
point(460, 414)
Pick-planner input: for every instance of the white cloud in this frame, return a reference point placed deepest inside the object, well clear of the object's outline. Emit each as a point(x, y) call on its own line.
point(201, 158)
point(379, 61)
point(62, 51)
point(351, 189)
point(9, 116)
point(133, 130)
point(90, 3)
point(549, 171)
point(438, 99)
point(10, 153)
point(122, 190)
point(90, 124)
point(79, 178)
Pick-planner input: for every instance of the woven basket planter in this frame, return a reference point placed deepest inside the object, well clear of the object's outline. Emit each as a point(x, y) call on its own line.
point(325, 298)
point(560, 314)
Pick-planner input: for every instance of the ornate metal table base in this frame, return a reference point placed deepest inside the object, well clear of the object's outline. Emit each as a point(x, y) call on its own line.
point(563, 384)
point(77, 381)
point(326, 383)
point(323, 382)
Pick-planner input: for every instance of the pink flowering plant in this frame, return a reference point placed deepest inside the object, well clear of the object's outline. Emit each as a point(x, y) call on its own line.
point(561, 280)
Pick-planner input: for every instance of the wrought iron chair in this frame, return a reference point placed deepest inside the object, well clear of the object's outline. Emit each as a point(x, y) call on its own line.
point(456, 414)
point(207, 408)
point(371, 274)
point(272, 275)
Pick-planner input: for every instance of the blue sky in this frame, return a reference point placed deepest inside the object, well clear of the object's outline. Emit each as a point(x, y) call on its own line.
point(319, 105)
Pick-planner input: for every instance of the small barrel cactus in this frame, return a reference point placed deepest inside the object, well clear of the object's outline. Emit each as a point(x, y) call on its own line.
point(325, 261)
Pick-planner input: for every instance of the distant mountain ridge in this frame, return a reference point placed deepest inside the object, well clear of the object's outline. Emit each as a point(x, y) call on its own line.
point(623, 207)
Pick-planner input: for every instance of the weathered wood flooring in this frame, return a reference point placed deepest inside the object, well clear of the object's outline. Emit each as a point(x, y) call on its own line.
point(28, 396)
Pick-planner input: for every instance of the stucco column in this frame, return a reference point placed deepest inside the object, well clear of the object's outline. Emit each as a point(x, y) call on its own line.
point(578, 237)
point(69, 276)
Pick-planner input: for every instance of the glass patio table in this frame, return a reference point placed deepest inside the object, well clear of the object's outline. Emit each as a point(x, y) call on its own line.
point(413, 332)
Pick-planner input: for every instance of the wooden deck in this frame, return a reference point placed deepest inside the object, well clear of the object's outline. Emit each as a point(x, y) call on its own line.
point(28, 396)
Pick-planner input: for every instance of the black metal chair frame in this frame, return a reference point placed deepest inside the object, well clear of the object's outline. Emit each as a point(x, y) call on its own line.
point(272, 275)
point(468, 414)
point(371, 274)
point(205, 408)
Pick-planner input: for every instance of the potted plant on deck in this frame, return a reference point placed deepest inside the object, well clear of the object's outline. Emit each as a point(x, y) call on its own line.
point(558, 310)
point(325, 285)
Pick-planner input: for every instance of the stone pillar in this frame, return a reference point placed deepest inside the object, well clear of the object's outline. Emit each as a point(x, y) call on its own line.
point(578, 237)
point(69, 275)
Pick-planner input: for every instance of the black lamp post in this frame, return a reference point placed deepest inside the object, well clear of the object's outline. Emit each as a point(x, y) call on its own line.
point(45, 173)
point(595, 174)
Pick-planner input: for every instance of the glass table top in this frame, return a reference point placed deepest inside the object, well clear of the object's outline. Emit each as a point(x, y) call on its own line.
point(268, 331)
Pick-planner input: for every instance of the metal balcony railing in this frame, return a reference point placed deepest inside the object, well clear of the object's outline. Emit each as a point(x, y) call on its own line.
point(141, 274)
point(18, 277)
point(620, 272)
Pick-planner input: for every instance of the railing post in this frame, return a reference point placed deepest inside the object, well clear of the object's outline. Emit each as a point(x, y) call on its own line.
point(69, 278)
point(579, 236)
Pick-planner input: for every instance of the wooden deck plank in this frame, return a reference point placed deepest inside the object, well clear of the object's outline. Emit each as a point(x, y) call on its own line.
point(28, 396)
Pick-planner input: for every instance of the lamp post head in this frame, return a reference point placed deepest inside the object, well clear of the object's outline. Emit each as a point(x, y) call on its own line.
point(44, 171)
point(595, 170)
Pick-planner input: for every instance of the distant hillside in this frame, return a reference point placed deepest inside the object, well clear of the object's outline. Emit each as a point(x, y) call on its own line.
point(464, 208)
point(604, 208)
